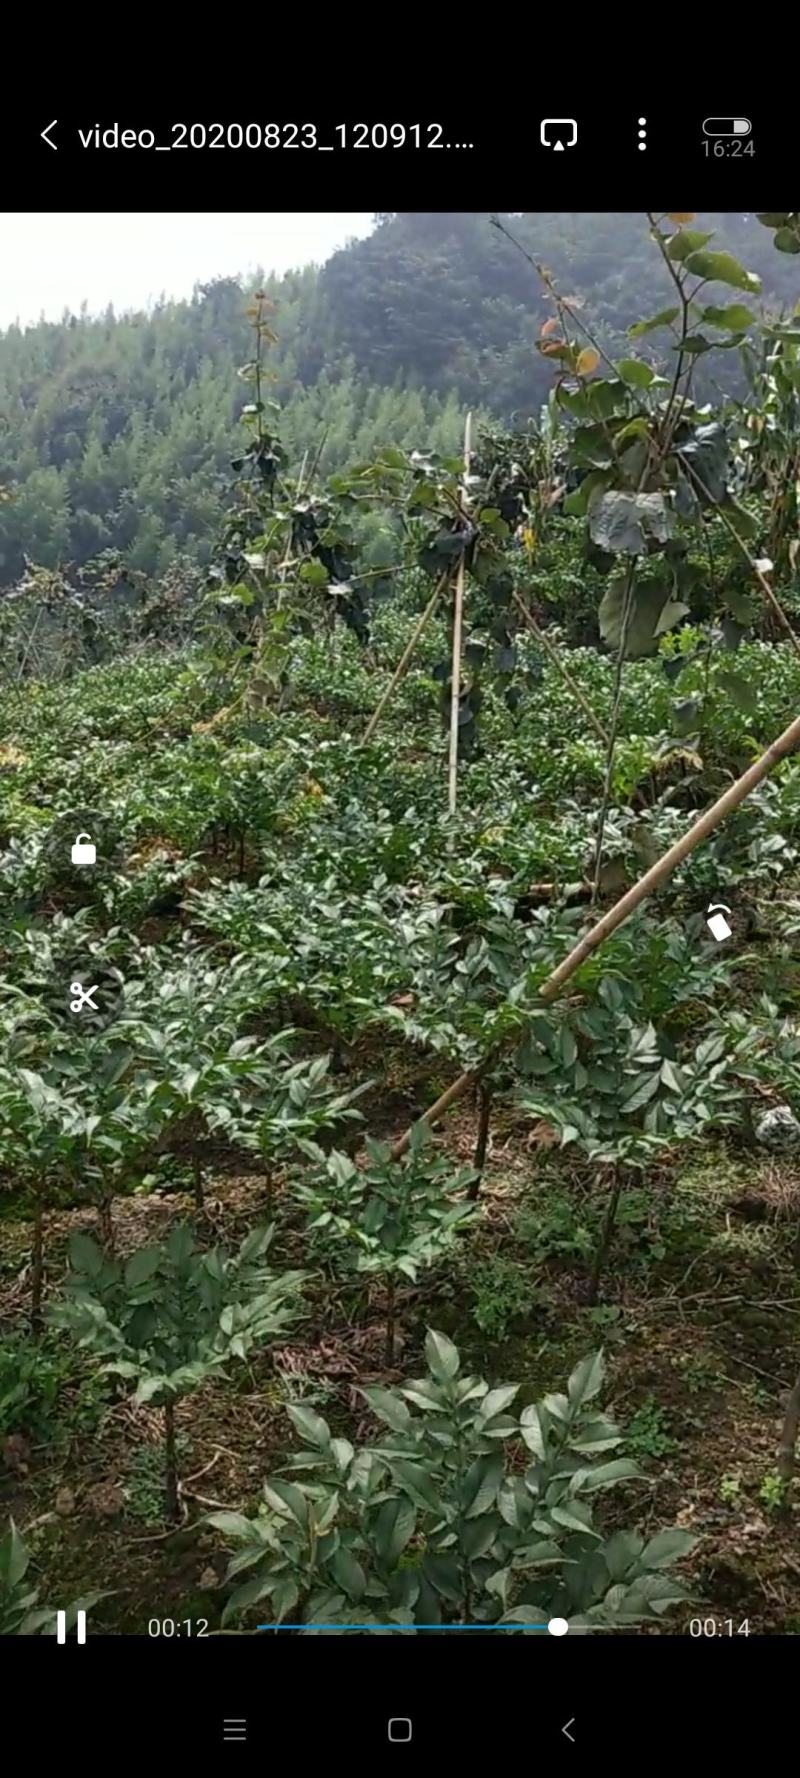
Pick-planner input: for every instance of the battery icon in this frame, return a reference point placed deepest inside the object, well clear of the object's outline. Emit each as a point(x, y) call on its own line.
point(727, 126)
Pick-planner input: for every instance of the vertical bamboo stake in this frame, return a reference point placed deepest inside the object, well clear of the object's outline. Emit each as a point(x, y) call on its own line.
point(458, 613)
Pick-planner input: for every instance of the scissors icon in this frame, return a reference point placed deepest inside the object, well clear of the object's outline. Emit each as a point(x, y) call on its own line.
point(84, 997)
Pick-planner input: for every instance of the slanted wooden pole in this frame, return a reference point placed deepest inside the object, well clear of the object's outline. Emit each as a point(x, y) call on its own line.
point(575, 690)
point(627, 904)
point(404, 659)
point(458, 618)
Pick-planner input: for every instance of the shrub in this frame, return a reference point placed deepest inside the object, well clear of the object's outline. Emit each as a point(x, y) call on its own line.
point(171, 1316)
point(439, 1524)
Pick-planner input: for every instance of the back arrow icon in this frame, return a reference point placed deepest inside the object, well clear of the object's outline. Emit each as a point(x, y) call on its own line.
point(45, 135)
point(566, 1729)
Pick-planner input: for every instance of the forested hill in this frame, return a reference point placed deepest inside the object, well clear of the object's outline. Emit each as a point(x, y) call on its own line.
point(116, 432)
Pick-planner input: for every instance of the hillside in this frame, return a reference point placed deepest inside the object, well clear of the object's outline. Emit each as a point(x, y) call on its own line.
point(116, 432)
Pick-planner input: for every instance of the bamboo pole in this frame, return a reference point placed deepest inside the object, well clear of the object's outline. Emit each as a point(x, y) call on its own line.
point(577, 694)
point(752, 564)
point(627, 904)
point(404, 659)
point(458, 618)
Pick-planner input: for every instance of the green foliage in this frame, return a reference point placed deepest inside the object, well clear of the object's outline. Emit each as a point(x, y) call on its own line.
point(20, 1611)
point(172, 1315)
point(43, 1390)
point(648, 1435)
point(438, 1523)
point(773, 1490)
point(501, 1292)
point(389, 1219)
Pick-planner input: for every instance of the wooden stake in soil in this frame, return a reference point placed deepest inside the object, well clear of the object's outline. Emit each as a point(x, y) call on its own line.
point(601, 733)
point(455, 674)
point(627, 904)
point(404, 659)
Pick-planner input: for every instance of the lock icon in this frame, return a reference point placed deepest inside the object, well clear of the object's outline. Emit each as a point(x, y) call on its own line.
point(83, 850)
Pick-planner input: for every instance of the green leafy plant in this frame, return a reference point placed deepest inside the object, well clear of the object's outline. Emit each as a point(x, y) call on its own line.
point(438, 1522)
point(648, 1433)
point(501, 1291)
point(43, 1388)
point(172, 1316)
point(389, 1219)
point(773, 1490)
point(20, 1611)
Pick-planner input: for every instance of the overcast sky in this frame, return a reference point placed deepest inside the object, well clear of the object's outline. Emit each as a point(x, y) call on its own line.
point(53, 262)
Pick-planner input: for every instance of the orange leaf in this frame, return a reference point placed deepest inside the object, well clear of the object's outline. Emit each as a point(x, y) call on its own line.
point(549, 327)
point(588, 361)
point(680, 215)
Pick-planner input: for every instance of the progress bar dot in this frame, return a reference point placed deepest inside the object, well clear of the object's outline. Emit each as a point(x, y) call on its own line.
point(558, 1626)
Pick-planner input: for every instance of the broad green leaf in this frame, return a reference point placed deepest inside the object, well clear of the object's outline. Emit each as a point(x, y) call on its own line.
point(284, 1599)
point(650, 613)
point(85, 1255)
point(481, 1484)
point(14, 1557)
point(641, 1095)
point(569, 1048)
point(666, 1547)
point(387, 1406)
point(671, 614)
point(734, 317)
point(586, 1380)
point(568, 1517)
point(537, 1555)
point(442, 1356)
point(180, 1243)
point(417, 1483)
point(231, 1524)
point(622, 523)
point(498, 1400)
point(314, 574)
point(348, 1573)
point(670, 1077)
point(721, 268)
point(394, 1527)
point(635, 372)
point(606, 1475)
point(664, 318)
point(285, 1499)
point(686, 241)
point(530, 1426)
point(142, 1265)
point(310, 1426)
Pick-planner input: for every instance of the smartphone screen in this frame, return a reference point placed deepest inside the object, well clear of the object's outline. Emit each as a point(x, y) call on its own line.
point(399, 906)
